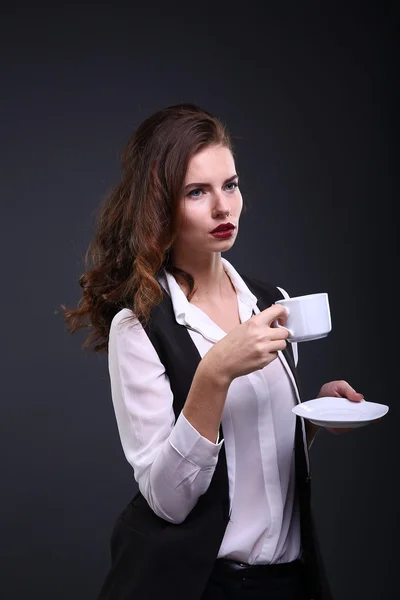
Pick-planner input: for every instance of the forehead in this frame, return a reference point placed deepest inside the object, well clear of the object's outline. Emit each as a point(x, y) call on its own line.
point(211, 163)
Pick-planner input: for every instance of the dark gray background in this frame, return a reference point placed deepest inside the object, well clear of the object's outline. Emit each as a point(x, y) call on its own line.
point(309, 95)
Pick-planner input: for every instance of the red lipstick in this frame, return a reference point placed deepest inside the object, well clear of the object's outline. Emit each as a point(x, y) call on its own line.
point(225, 230)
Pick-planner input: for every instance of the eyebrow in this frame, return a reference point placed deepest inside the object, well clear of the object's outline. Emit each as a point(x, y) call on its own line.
point(207, 185)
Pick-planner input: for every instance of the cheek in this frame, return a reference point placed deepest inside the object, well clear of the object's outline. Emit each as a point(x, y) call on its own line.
point(193, 218)
point(238, 204)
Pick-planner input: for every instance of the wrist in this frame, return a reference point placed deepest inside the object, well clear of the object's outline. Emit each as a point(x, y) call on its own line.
point(210, 367)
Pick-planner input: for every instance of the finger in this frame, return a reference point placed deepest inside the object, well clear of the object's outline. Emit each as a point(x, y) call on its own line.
point(278, 333)
point(346, 391)
point(271, 314)
point(357, 397)
point(277, 345)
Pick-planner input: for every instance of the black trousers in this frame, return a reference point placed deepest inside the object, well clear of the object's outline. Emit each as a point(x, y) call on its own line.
point(286, 583)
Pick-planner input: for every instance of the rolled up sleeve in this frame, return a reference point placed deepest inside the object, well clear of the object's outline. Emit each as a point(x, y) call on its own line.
point(172, 463)
point(188, 442)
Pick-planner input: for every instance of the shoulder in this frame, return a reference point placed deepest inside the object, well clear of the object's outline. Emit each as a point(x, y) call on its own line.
point(130, 341)
point(122, 317)
point(123, 325)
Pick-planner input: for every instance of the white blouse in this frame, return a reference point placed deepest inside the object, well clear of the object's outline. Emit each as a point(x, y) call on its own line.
point(173, 464)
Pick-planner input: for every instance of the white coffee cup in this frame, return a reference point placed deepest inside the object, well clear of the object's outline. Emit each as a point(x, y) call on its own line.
point(309, 317)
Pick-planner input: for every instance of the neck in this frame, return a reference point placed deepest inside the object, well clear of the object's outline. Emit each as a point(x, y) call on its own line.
point(210, 280)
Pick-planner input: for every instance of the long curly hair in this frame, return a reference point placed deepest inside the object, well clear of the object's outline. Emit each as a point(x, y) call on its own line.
point(138, 222)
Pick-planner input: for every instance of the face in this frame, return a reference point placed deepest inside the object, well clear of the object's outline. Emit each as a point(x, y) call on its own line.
point(211, 197)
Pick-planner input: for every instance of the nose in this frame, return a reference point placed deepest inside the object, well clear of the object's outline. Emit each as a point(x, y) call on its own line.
point(221, 206)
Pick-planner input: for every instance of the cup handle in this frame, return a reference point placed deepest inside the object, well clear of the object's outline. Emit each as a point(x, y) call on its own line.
point(276, 324)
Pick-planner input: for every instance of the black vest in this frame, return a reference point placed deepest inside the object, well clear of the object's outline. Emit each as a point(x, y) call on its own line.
point(152, 558)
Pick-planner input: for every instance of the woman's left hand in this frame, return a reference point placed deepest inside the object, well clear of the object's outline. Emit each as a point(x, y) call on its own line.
point(340, 389)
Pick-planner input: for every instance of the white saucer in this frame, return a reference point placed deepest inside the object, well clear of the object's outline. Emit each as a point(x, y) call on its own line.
point(340, 412)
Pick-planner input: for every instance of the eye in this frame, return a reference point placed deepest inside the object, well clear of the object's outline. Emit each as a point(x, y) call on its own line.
point(194, 193)
point(234, 184)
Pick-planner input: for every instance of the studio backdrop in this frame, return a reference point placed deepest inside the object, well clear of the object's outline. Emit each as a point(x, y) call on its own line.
point(308, 94)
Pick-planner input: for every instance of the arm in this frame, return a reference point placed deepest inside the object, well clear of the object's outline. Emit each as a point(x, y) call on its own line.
point(206, 399)
point(173, 463)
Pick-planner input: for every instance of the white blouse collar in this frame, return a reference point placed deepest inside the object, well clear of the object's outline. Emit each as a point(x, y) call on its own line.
point(190, 315)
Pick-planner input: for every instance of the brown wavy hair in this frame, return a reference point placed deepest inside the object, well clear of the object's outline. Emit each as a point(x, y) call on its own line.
point(138, 222)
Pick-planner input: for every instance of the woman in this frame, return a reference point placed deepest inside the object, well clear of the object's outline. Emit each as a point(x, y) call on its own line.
point(202, 383)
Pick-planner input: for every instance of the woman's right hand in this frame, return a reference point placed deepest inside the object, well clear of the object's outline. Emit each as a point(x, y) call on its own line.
point(251, 345)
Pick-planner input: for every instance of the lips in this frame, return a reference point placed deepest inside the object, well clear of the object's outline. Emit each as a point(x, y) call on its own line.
point(223, 227)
